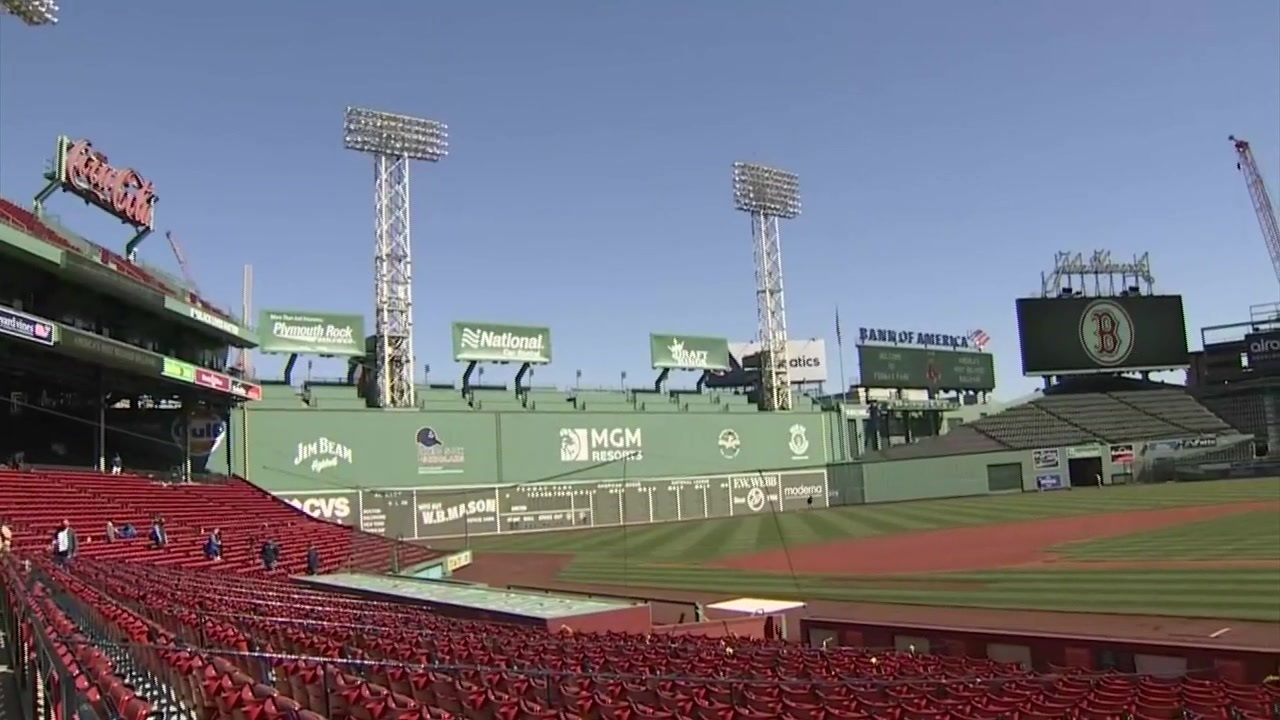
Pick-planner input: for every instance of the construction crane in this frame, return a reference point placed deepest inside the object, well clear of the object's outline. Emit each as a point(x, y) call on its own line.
point(1261, 200)
point(182, 262)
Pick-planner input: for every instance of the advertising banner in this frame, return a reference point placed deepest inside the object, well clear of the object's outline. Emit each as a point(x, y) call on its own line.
point(310, 333)
point(688, 352)
point(1081, 452)
point(185, 372)
point(807, 363)
point(81, 169)
point(111, 353)
point(915, 368)
point(1064, 336)
point(1049, 481)
point(205, 319)
point(488, 342)
point(1263, 353)
point(1046, 459)
point(579, 446)
point(27, 327)
point(1122, 454)
point(421, 513)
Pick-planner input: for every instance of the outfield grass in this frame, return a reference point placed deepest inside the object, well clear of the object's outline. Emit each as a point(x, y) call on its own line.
point(1247, 536)
point(707, 540)
point(674, 556)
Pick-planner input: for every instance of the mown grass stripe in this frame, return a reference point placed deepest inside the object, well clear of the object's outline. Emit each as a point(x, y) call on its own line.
point(683, 550)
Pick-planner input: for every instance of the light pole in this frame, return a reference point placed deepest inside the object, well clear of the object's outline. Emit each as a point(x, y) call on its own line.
point(394, 141)
point(769, 195)
point(32, 12)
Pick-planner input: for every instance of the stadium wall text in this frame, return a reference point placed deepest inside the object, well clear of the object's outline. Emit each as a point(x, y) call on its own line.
point(426, 513)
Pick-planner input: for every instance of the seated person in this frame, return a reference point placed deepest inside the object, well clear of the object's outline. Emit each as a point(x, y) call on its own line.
point(112, 534)
point(127, 532)
point(313, 560)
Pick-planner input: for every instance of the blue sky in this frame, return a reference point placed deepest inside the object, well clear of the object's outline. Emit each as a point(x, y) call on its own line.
point(946, 151)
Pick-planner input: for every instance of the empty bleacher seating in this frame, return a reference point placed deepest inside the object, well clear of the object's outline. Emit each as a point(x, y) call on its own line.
point(216, 646)
point(36, 504)
point(962, 440)
point(1176, 408)
point(1108, 418)
point(1029, 426)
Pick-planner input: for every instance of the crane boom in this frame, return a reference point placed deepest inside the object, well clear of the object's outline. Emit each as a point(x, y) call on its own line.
point(1261, 200)
point(182, 260)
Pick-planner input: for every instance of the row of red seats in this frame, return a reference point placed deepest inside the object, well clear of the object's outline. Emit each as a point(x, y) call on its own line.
point(742, 677)
point(88, 668)
point(23, 219)
point(36, 503)
point(227, 687)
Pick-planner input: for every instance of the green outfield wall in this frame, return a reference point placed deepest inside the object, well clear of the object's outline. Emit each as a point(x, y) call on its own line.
point(441, 474)
point(285, 450)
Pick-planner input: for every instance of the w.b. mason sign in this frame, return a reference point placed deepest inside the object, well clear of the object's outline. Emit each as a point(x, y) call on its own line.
point(1065, 336)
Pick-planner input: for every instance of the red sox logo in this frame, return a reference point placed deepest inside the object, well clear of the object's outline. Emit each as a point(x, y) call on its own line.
point(1106, 332)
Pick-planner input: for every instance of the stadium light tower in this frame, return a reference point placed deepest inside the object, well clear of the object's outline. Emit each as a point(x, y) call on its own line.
point(32, 12)
point(394, 141)
point(769, 195)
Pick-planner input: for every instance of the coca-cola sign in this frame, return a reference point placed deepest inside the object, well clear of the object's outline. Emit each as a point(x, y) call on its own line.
point(84, 171)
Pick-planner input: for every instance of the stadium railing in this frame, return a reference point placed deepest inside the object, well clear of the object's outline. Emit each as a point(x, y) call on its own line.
point(46, 689)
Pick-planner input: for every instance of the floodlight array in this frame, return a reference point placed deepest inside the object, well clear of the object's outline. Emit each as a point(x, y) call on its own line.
point(32, 12)
point(384, 133)
point(765, 190)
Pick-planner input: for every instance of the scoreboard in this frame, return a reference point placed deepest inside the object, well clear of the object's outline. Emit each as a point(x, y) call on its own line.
point(416, 514)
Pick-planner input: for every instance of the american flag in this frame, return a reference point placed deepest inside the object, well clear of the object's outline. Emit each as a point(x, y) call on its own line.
point(979, 338)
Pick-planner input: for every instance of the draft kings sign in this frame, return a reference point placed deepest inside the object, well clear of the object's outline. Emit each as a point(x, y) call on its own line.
point(82, 170)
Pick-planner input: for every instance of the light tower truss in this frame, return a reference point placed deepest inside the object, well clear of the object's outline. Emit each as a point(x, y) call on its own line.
point(394, 141)
point(769, 195)
point(32, 12)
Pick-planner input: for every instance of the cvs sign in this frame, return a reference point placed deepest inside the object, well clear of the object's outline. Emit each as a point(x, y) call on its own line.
point(333, 508)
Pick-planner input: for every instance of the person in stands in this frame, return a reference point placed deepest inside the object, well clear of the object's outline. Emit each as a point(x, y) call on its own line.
point(213, 545)
point(117, 464)
point(159, 536)
point(313, 560)
point(6, 536)
point(64, 543)
point(270, 554)
point(127, 532)
point(112, 533)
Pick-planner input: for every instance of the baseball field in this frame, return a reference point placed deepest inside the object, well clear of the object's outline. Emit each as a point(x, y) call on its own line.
point(1192, 550)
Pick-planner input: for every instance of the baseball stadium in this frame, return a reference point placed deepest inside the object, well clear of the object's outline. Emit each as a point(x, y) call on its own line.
point(186, 539)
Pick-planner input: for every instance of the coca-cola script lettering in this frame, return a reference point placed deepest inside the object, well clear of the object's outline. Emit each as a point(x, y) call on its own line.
point(120, 191)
